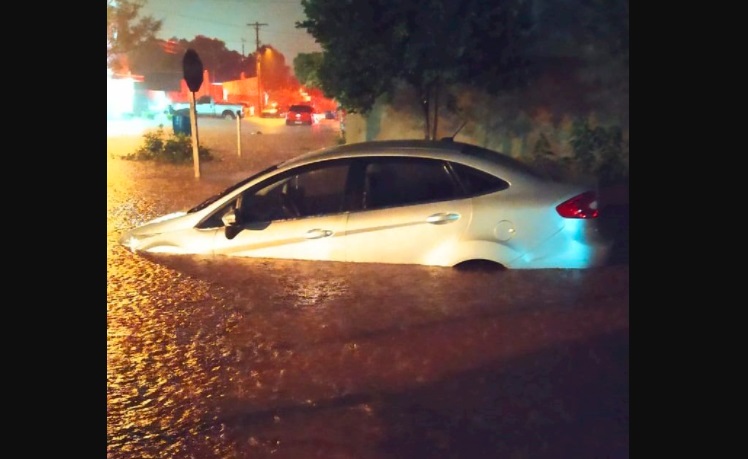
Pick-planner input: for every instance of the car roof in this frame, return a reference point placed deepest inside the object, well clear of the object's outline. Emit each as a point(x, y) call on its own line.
point(445, 149)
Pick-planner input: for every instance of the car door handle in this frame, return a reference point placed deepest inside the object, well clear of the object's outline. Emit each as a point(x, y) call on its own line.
point(317, 234)
point(442, 218)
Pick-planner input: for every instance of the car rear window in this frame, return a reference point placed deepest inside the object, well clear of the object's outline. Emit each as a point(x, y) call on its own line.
point(505, 161)
point(301, 108)
point(478, 182)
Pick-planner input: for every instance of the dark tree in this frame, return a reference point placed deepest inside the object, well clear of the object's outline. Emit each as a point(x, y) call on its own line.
point(156, 55)
point(166, 57)
point(126, 31)
point(222, 63)
point(306, 68)
point(359, 61)
point(369, 45)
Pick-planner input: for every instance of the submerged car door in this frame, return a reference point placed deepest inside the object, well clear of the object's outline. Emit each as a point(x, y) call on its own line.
point(296, 215)
point(411, 212)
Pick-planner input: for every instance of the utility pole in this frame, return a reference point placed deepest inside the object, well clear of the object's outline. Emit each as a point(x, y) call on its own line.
point(243, 41)
point(257, 26)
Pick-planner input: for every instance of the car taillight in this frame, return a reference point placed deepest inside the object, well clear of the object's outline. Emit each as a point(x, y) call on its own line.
point(581, 206)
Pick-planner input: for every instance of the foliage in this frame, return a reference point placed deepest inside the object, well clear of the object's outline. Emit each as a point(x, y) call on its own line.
point(306, 68)
point(369, 45)
point(125, 30)
point(600, 151)
point(170, 148)
point(222, 63)
point(360, 56)
point(542, 147)
point(495, 46)
point(593, 32)
point(596, 152)
point(151, 57)
point(157, 56)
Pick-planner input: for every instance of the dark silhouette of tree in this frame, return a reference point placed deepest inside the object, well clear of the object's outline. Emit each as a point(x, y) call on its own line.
point(126, 31)
point(222, 63)
point(592, 33)
point(306, 68)
point(369, 45)
point(157, 55)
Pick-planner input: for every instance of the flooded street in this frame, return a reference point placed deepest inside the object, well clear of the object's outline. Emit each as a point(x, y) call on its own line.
point(254, 358)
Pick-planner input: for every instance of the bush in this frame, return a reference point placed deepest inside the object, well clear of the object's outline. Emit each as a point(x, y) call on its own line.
point(170, 148)
point(600, 151)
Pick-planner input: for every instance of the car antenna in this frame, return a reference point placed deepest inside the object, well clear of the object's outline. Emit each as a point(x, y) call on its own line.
point(452, 138)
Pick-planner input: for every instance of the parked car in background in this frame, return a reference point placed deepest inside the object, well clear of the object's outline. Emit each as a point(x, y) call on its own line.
point(300, 114)
point(207, 106)
point(402, 201)
point(270, 112)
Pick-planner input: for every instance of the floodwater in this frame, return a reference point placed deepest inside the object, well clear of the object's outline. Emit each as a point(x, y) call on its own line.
point(253, 358)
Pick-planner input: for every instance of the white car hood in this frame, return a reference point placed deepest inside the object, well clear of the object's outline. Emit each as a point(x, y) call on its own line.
point(166, 223)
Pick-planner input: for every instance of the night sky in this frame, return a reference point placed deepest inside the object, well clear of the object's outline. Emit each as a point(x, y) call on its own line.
point(227, 20)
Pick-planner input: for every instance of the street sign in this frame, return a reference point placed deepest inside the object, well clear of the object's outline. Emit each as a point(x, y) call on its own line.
point(192, 67)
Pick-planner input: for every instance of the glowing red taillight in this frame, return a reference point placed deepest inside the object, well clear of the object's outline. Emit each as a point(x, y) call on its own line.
point(581, 206)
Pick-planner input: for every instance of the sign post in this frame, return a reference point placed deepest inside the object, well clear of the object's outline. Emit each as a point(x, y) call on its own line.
point(192, 68)
point(239, 133)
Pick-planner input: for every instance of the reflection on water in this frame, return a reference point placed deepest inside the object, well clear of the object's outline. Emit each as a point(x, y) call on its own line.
point(251, 358)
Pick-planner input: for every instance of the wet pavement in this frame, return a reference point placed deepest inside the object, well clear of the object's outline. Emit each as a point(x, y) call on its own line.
point(253, 358)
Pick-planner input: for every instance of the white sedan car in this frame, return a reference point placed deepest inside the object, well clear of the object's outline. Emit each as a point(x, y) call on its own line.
point(439, 203)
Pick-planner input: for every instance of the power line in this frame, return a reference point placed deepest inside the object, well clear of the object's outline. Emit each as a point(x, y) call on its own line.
point(257, 26)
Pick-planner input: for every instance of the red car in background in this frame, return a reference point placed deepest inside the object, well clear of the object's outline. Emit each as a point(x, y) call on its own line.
point(300, 114)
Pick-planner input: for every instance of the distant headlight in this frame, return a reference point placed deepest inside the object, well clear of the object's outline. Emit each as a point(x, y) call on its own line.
point(130, 242)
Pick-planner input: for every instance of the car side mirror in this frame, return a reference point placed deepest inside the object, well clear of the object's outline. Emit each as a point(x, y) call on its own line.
point(232, 231)
point(231, 223)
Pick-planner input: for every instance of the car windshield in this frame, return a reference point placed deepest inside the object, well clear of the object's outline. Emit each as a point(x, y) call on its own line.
point(228, 190)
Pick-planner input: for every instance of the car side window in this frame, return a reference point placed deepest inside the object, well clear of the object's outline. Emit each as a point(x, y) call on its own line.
point(263, 204)
point(476, 182)
point(403, 181)
point(319, 190)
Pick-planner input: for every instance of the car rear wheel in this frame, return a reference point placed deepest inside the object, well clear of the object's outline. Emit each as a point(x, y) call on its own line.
point(228, 114)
